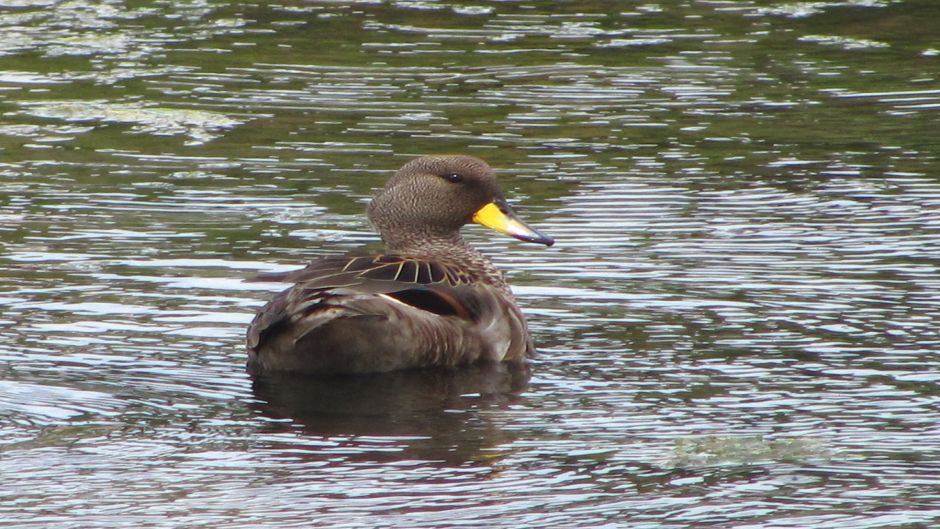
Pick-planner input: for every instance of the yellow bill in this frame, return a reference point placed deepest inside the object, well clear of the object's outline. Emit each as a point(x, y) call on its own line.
point(497, 215)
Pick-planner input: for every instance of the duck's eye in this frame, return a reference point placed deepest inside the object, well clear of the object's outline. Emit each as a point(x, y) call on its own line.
point(453, 178)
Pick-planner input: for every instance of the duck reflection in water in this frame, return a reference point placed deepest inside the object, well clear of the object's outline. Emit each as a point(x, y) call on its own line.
point(433, 414)
point(338, 353)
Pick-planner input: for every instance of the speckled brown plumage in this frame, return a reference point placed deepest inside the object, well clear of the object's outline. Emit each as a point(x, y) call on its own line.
point(430, 300)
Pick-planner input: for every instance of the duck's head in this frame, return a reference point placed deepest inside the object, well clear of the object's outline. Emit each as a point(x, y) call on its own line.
point(434, 196)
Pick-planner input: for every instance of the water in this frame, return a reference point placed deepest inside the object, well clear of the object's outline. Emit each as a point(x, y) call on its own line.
point(737, 326)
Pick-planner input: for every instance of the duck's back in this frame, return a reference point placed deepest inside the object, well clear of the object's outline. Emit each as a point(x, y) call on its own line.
point(382, 313)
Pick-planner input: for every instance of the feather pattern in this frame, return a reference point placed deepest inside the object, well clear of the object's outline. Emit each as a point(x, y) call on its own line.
point(440, 317)
point(430, 300)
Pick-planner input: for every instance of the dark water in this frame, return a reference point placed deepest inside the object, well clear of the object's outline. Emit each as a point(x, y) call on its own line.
point(738, 325)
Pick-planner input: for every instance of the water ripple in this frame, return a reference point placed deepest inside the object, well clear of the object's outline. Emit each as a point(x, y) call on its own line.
point(736, 327)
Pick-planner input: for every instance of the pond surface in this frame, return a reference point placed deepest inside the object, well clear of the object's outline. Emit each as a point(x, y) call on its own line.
point(738, 325)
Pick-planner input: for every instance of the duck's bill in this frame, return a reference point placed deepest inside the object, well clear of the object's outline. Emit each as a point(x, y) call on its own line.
point(497, 215)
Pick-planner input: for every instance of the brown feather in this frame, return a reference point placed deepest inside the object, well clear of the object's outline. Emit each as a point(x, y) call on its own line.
point(431, 300)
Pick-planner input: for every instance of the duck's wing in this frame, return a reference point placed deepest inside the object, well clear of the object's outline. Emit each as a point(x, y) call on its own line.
point(358, 284)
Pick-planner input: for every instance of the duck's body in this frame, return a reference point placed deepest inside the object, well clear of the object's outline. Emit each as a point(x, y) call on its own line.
point(430, 300)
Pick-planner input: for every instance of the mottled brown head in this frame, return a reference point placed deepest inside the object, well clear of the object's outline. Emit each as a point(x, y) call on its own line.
point(432, 197)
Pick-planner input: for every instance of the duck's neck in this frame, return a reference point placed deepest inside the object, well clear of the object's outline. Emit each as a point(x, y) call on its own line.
point(451, 249)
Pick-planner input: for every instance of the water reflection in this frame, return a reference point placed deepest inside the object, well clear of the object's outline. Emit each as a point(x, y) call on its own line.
point(432, 414)
point(746, 203)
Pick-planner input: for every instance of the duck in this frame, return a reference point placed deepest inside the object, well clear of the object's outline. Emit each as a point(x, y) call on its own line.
point(429, 300)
